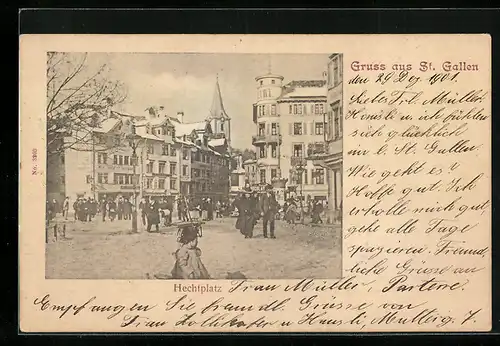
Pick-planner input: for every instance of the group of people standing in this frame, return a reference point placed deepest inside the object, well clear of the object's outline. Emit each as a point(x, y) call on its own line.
point(252, 207)
point(120, 208)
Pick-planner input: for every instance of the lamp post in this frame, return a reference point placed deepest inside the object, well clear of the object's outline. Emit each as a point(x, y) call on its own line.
point(134, 142)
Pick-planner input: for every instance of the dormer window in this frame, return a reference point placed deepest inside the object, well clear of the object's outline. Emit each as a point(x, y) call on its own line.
point(261, 82)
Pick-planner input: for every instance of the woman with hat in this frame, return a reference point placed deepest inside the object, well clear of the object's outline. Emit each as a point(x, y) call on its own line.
point(246, 209)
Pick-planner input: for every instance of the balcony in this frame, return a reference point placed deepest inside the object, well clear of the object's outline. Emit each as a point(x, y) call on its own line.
point(263, 139)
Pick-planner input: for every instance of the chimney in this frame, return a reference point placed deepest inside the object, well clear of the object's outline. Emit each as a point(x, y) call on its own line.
point(180, 117)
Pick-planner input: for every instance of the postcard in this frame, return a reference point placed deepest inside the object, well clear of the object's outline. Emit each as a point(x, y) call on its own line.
point(255, 183)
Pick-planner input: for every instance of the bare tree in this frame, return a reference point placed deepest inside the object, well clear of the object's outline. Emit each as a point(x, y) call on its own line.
point(78, 99)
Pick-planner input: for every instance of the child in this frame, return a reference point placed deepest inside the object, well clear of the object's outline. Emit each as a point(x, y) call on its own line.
point(188, 263)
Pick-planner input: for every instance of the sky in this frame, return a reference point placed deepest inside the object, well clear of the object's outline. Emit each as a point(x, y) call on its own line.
point(186, 82)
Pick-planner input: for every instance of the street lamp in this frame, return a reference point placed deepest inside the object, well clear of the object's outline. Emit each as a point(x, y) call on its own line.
point(134, 141)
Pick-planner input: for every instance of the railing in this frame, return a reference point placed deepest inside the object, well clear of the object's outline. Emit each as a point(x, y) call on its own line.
point(266, 139)
point(317, 151)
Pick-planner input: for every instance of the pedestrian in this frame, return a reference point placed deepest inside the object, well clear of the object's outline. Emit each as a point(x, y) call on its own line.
point(65, 209)
point(104, 207)
point(210, 209)
point(246, 214)
point(170, 210)
point(143, 206)
point(200, 210)
point(81, 210)
point(316, 212)
point(75, 209)
point(127, 209)
point(268, 208)
point(291, 212)
point(119, 208)
point(188, 264)
point(111, 209)
point(153, 216)
point(87, 207)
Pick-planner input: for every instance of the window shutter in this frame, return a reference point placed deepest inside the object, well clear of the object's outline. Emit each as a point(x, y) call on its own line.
point(290, 128)
point(268, 127)
point(312, 128)
point(304, 125)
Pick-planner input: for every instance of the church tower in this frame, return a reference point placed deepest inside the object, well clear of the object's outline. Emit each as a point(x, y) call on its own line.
point(219, 120)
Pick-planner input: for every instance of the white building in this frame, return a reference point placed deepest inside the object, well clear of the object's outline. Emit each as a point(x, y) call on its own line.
point(290, 124)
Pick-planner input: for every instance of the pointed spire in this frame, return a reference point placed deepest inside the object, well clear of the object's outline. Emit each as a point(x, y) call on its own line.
point(217, 110)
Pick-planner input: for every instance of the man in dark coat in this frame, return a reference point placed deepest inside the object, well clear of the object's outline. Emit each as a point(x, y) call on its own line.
point(87, 207)
point(153, 215)
point(127, 209)
point(268, 207)
point(119, 208)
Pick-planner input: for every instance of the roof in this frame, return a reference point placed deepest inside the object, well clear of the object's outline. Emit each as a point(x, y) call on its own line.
point(304, 89)
point(305, 84)
point(177, 140)
point(217, 142)
point(249, 161)
point(150, 136)
point(107, 125)
point(182, 129)
point(152, 122)
point(269, 75)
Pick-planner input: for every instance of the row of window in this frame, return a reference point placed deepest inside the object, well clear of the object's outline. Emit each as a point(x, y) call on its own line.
point(298, 108)
point(316, 147)
point(298, 129)
point(272, 82)
point(306, 108)
point(263, 152)
point(200, 173)
point(264, 110)
point(317, 176)
point(265, 93)
point(151, 183)
point(125, 160)
point(274, 129)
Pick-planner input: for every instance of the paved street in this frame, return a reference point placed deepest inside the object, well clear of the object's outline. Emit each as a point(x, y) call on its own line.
point(98, 250)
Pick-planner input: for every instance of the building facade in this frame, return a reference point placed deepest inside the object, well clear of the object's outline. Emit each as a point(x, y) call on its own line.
point(290, 123)
point(105, 165)
point(331, 157)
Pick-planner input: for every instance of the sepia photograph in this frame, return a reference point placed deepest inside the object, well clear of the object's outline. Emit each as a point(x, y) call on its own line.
point(193, 166)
